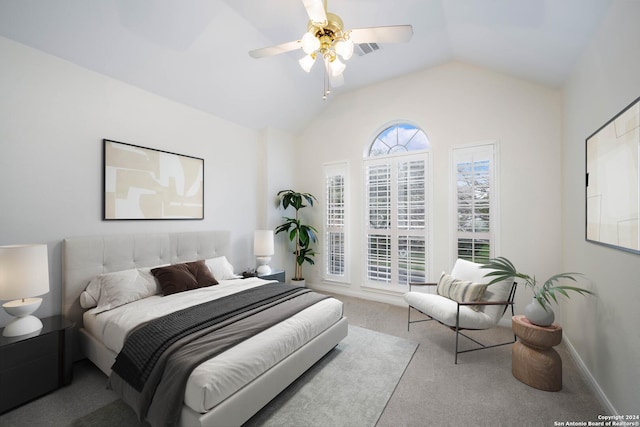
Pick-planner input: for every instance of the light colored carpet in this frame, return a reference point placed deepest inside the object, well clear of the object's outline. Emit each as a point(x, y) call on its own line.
point(350, 386)
point(479, 391)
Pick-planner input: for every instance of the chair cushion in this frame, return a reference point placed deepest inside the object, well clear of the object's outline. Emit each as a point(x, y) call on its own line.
point(460, 290)
point(467, 270)
point(444, 310)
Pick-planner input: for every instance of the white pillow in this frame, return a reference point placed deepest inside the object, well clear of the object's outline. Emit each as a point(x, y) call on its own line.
point(87, 301)
point(91, 293)
point(147, 280)
point(221, 268)
point(110, 290)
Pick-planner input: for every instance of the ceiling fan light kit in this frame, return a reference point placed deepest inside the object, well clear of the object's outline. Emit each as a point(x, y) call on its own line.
point(326, 37)
point(328, 40)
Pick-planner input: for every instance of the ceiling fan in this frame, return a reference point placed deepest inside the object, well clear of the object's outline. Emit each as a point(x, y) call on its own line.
point(327, 39)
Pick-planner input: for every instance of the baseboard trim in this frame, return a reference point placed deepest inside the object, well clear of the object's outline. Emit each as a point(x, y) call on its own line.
point(590, 379)
point(371, 295)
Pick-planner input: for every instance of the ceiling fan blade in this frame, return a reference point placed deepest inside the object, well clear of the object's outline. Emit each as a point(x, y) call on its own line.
point(390, 34)
point(315, 10)
point(275, 50)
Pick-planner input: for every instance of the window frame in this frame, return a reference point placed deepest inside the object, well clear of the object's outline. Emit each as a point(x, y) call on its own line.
point(393, 286)
point(494, 202)
point(334, 169)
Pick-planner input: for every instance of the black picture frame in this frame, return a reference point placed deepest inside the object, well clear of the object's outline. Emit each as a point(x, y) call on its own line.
point(141, 183)
point(612, 188)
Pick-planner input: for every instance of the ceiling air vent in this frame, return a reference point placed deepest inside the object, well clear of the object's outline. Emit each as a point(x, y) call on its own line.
point(362, 49)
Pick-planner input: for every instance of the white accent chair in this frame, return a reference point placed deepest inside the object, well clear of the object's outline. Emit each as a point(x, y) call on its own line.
point(484, 313)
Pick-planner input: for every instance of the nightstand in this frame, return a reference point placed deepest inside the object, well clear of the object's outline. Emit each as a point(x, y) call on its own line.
point(533, 360)
point(31, 366)
point(278, 275)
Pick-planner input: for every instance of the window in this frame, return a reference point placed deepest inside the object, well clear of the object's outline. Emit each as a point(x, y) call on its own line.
point(475, 196)
point(396, 227)
point(335, 222)
point(400, 138)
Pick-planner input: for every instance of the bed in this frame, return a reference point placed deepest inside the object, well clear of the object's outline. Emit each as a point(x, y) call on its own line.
point(232, 386)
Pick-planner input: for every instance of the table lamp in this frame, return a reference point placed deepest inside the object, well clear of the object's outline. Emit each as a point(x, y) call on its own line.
point(24, 273)
point(263, 249)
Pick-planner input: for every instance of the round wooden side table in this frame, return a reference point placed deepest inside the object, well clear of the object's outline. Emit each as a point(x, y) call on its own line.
point(533, 360)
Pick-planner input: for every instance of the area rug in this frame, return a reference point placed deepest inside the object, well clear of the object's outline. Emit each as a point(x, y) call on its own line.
point(350, 386)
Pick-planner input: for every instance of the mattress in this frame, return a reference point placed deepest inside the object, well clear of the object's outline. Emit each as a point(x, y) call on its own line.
point(215, 380)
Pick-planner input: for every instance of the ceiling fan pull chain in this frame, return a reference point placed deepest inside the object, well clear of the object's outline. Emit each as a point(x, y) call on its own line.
point(325, 79)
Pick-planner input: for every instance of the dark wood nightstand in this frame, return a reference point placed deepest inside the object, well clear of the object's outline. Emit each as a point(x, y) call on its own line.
point(31, 366)
point(278, 275)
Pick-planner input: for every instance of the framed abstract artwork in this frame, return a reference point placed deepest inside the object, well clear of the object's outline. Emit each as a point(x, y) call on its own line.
point(613, 182)
point(144, 183)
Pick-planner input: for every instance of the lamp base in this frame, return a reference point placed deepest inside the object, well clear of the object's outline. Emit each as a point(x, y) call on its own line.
point(263, 270)
point(263, 265)
point(24, 323)
point(22, 326)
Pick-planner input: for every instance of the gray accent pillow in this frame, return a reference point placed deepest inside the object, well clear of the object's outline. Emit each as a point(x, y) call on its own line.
point(460, 290)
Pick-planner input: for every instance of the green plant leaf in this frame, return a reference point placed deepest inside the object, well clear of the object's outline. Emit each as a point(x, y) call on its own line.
point(309, 198)
point(302, 234)
point(503, 269)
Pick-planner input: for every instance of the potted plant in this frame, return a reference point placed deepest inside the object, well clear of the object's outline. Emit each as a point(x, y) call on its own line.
point(302, 234)
point(538, 311)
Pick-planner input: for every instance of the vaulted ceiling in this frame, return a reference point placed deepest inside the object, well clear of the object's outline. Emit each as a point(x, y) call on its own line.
point(195, 51)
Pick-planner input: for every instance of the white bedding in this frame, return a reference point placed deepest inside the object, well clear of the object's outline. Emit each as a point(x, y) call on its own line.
point(215, 380)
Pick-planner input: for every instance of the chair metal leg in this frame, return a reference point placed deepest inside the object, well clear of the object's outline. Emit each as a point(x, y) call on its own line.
point(457, 329)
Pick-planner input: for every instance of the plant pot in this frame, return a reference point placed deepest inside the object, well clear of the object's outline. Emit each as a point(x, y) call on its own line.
point(298, 282)
point(537, 315)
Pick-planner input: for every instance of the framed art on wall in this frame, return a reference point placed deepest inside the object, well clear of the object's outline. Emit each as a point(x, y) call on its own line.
point(145, 183)
point(613, 182)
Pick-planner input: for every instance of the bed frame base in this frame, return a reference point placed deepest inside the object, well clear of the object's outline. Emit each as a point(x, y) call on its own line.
point(242, 405)
point(246, 402)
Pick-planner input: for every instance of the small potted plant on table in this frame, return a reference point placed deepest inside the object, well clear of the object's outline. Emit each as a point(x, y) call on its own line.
point(538, 311)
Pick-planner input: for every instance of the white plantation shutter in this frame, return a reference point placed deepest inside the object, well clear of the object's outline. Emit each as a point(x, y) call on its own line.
point(378, 190)
point(411, 195)
point(475, 204)
point(411, 259)
point(335, 225)
point(379, 196)
point(379, 258)
point(396, 212)
point(412, 219)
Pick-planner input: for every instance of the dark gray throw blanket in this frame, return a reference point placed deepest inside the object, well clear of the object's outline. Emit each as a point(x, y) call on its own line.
point(151, 371)
point(145, 344)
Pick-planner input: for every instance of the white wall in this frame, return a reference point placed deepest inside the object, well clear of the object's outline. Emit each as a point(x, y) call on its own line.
point(455, 104)
point(603, 330)
point(53, 117)
point(277, 154)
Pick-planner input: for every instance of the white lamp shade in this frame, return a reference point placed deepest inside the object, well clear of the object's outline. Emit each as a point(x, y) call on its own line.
point(310, 43)
point(344, 48)
point(307, 62)
point(24, 271)
point(263, 243)
point(337, 67)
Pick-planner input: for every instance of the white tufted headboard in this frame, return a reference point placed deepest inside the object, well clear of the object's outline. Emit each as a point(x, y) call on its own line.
point(85, 257)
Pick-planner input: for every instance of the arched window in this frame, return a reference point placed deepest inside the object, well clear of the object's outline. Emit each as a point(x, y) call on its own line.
point(397, 173)
point(399, 138)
